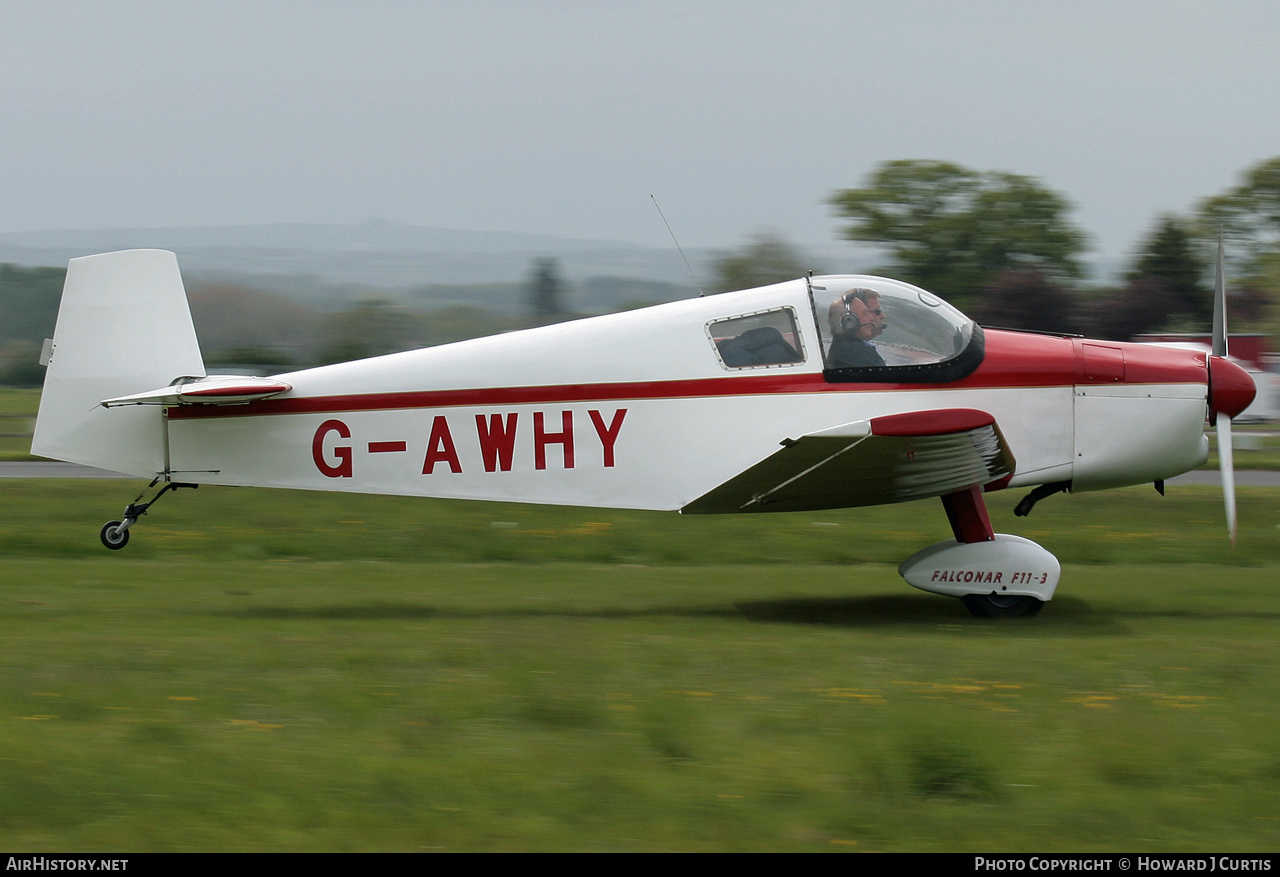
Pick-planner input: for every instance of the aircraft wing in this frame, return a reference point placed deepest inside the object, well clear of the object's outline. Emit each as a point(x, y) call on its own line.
point(895, 458)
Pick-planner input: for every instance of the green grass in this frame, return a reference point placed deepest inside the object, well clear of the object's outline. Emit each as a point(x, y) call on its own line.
point(267, 670)
point(1133, 525)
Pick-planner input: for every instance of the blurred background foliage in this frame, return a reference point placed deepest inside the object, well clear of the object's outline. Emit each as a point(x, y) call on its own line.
point(1000, 246)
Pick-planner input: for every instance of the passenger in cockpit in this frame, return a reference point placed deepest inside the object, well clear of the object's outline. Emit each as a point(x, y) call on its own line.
point(853, 325)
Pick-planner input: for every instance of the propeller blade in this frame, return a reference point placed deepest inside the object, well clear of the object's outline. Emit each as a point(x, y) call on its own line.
point(1227, 467)
point(1220, 305)
point(1226, 461)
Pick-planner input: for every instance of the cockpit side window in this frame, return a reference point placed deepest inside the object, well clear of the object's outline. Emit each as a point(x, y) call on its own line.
point(878, 330)
point(764, 339)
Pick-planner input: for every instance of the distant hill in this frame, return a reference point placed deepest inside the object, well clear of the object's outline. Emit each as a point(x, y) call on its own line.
point(287, 290)
point(329, 266)
point(380, 254)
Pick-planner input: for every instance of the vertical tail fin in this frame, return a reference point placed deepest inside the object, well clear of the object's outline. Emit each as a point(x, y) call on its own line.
point(124, 326)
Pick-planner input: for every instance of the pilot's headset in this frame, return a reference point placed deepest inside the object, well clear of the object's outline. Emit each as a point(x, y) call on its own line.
point(849, 322)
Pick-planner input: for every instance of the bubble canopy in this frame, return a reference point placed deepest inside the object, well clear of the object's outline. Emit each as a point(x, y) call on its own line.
point(880, 330)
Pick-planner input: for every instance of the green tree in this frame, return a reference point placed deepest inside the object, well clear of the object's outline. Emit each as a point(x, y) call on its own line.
point(1141, 305)
point(1248, 216)
point(242, 326)
point(370, 328)
point(29, 302)
point(1027, 298)
point(1169, 259)
point(954, 230)
point(546, 290)
point(766, 259)
point(250, 356)
point(460, 322)
point(20, 364)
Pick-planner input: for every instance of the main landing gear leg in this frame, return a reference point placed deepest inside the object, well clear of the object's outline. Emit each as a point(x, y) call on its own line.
point(995, 574)
point(967, 512)
point(115, 534)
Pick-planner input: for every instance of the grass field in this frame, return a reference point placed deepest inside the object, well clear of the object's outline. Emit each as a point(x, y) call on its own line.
point(267, 670)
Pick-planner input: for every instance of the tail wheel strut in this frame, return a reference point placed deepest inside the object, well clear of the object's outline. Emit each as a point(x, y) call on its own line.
point(115, 534)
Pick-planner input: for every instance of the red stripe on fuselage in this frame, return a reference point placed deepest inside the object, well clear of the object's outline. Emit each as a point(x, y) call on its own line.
point(1013, 360)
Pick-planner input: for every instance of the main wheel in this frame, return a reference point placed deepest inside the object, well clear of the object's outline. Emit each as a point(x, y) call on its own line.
point(998, 605)
point(113, 537)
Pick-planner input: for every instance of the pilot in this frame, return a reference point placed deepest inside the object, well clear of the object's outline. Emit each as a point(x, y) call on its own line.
point(871, 299)
point(853, 325)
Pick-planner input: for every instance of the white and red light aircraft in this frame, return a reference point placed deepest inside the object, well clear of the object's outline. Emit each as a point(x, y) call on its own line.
point(821, 392)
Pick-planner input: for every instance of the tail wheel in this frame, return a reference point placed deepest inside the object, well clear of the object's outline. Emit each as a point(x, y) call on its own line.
point(113, 537)
point(999, 605)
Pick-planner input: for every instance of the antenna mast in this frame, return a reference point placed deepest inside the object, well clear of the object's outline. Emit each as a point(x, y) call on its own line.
point(678, 247)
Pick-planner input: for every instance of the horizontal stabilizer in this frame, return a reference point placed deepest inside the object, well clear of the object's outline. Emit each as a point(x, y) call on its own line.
point(213, 390)
point(895, 458)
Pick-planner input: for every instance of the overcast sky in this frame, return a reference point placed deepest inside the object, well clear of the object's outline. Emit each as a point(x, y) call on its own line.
point(563, 117)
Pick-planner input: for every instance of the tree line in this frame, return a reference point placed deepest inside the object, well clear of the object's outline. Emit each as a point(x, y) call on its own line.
point(249, 329)
point(1003, 248)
